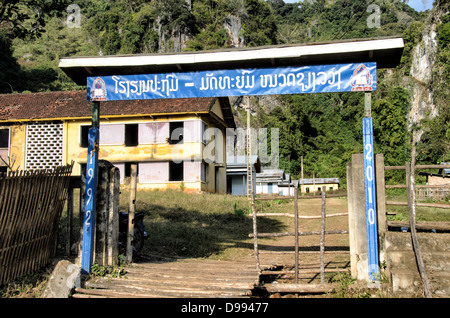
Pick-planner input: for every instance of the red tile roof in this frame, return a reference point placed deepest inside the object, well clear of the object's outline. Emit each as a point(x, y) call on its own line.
point(73, 104)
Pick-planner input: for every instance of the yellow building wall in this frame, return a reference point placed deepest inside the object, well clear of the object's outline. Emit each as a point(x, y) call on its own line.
point(175, 185)
point(318, 186)
point(149, 152)
point(121, 153)
point(17, 138)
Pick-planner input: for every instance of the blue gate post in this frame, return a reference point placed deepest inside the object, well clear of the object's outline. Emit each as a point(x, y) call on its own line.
point(91, 192)
point(370, 193)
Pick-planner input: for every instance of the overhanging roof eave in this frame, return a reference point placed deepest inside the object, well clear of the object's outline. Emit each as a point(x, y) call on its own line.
point(385, 51)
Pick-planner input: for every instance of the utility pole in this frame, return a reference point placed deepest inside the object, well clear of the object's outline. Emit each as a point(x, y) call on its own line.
point(249, 153)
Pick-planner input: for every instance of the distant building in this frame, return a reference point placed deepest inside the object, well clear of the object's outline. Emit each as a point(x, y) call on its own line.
point(237, 173)
point(287, 186)
point(268, 181)
point(442, 177)
point(277, 182)
point(317, 184)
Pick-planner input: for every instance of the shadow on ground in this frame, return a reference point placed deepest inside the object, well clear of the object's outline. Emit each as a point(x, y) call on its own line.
point(179, 232)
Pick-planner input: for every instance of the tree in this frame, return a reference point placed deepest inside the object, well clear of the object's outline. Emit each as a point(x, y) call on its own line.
point(259, 26)
point(25, 18)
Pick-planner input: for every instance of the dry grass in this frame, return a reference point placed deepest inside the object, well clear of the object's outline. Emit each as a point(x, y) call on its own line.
point(218, 226)
point(197, 225)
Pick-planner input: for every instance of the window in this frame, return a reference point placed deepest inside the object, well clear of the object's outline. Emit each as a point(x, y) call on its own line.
point(176, 171)
point(84, 130)
point(112, 134)
point(4, 138)
point(127, 169)
point(205, 133)
point(176, 130)
point(131, 135)
point(44, 145)
point(205, 172)
point(4, 145)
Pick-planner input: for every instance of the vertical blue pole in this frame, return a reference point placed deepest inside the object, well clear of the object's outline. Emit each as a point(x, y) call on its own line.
point(371, 208)
point(90, 201)
point(90, 198)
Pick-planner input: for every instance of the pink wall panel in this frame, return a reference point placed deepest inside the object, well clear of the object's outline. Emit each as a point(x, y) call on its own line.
point(192, 171)
point(193, 131)
point(162, 132)
point(153, 172)
point(112, 134)
point(147, 133)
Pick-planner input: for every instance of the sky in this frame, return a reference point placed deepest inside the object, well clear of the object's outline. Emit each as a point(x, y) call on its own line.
point(418, 5)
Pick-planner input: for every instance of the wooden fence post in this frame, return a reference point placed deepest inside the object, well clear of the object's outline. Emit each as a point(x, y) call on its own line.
point(296, 232)
point(131, 211)
point(322, 237)
point(411, 198)
point(113, 216)
point(69, 220)
point(255, 232)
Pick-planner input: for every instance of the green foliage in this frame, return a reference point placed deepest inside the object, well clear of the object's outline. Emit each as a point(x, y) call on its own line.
point(333, 20)
point(259, 27)
point(175, 15)
point(26, 18)
point(389, 115)
point(443, 32)
point(411, 36)
point(324, 129)
point(114, 271)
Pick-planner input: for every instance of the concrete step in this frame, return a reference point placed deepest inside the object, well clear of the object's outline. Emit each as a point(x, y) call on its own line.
point(434, 261)
point(427, 241)
point(404, 274)
point(408, 281)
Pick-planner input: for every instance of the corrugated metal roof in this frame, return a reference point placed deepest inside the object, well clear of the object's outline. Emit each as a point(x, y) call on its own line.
point(319, 181)
point(239, 164)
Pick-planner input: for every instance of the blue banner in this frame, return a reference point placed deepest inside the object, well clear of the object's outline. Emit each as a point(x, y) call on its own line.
point(90, 200)
point(258, 81)
point(371, 208)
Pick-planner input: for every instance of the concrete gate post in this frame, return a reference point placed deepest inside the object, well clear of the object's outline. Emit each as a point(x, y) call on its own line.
point(357, 214)
point(107, 214)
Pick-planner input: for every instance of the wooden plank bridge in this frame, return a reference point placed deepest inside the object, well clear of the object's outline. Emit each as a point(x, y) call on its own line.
point(184, 278)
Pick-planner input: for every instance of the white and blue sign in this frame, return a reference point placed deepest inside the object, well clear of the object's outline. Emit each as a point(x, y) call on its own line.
point(259, 81)
point(371, 208)
point(90, 200)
